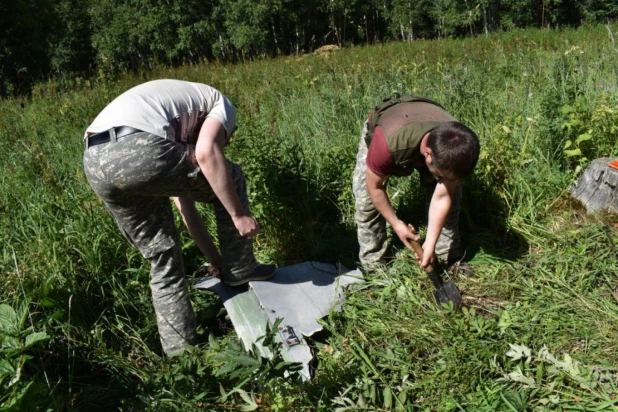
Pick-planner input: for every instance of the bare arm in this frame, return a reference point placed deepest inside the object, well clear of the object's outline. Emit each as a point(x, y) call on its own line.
point(197, 229)
point(438, 212)
point(376, 186)
point(214, 166)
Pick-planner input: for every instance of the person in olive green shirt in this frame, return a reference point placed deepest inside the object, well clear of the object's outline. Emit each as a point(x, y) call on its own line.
point(400, 136)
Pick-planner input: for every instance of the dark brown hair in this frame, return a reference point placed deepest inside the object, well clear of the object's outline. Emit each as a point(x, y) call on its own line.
point(455, 148)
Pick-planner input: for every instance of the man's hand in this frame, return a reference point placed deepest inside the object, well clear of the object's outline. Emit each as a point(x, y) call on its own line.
point(405, 233)
point(246, 225)
point(424, 254)
point(427, 251)
point(213, 271)
point(209, 271)
point(428, 255)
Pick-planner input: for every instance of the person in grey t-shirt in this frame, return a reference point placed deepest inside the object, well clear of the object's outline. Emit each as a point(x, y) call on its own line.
point(165, 139)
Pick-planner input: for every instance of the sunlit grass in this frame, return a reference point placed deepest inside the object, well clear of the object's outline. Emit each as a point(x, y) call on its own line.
point(545, 273)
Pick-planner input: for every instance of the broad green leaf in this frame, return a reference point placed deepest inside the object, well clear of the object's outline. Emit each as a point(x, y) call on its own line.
point(212, 342)
point(48, 302)
point(506, 129)
point(403, 399)
point(11, 342)
point(388, 397)
point(574, 152)
point(373, 391)
point(568, 144)
point(6, 368)
point(572, 123)
point(8, 319)
point(35, 338)
point(582, 138)
point(505, 321)
point(22, 316)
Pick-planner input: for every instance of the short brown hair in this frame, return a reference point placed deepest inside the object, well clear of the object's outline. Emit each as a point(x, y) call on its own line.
point(455, 148)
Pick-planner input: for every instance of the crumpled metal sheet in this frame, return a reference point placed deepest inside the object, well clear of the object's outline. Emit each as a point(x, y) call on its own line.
point(299, 294)
point(302, 294)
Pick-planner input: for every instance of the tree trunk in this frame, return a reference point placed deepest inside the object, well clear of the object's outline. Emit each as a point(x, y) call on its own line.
point(597, 188)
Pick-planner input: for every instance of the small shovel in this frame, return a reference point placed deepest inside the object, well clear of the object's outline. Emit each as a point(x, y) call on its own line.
point(445, 292)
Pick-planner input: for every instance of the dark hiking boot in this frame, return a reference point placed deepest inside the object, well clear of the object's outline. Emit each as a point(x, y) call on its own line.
point(261, 272)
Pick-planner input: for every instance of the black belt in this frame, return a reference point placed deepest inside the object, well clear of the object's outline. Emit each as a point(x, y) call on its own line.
point(105, 136)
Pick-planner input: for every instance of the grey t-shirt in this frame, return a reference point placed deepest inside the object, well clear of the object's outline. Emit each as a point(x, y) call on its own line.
point(172, 109)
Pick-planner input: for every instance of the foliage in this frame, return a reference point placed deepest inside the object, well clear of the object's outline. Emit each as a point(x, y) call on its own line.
point(18, 391)
point(268, 377)
point(558, 382)
point(158, 31)
point(23, 46)
point(94, 39)
point(589, 128)
point(546, 273)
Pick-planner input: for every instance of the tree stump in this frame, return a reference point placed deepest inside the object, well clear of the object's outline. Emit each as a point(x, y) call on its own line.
point(597, 188)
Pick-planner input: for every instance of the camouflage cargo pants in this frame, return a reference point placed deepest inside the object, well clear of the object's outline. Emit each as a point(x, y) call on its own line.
point(372, 225)
point(135, 176)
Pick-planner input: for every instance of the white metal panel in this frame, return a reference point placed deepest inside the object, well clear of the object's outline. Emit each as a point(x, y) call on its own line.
point(299, 294)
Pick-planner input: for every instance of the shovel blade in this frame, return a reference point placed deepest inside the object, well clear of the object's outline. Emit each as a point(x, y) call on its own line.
point(448, 292)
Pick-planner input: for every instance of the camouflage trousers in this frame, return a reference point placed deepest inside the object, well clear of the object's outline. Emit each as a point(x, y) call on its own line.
point(371, 225)
point(135, 176)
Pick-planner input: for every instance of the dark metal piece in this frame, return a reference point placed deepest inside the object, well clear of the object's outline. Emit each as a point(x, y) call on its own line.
point(444, 292)
point(289, 336)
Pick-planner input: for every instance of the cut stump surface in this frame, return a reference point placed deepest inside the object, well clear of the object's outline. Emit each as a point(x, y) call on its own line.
point(597, 188)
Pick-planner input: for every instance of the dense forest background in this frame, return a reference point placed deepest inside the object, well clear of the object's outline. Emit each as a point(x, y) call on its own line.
point(41, 39)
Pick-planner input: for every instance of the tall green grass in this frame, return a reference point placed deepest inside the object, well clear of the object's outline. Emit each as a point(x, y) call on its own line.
point(546, 273)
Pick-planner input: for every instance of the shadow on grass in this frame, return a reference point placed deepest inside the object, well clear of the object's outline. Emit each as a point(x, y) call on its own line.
point(314, 228)
point(303, 220)
point(298, 211)
point(482, 222)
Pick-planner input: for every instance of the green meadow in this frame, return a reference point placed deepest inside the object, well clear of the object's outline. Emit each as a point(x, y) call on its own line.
point(539, 330)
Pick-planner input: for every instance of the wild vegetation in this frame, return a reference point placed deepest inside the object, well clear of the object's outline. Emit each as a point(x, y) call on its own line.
point(97, 38)
point(540, 326)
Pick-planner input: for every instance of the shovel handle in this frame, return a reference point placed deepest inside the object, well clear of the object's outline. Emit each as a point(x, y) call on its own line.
point(419, 252)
